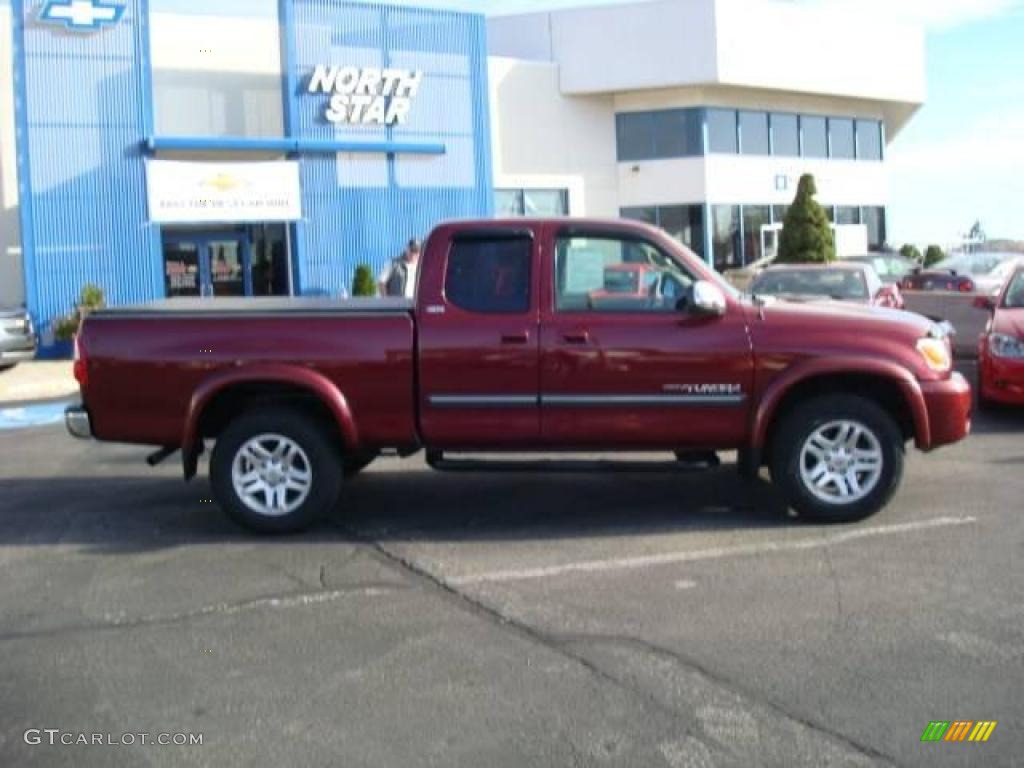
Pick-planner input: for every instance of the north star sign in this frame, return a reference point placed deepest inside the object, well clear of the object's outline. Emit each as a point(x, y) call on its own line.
point(366, 96)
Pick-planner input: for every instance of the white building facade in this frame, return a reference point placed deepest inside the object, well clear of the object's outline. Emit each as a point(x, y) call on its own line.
point(700, 115)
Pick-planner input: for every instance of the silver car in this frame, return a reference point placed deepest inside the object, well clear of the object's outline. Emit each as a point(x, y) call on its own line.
point(17, 337)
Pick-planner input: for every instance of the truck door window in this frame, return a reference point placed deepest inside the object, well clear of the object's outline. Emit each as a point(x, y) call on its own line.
point(489, 276)
point(611, 274)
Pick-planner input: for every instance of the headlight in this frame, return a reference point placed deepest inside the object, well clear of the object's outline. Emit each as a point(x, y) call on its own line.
point(1002, 345)
point(936, 353)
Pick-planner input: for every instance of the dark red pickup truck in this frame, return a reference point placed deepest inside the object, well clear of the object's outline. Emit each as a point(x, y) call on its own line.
point(519, 340)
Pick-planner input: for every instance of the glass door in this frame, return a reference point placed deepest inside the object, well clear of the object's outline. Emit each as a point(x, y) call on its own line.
point(228, 270)
point(207, 264)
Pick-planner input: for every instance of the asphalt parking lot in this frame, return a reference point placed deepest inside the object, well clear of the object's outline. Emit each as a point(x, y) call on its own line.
point(641, 619)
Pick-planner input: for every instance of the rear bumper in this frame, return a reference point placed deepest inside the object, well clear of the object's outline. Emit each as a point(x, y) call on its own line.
point(949, 411)
point(1002, 381)
point(19, 355)
point(78, 423)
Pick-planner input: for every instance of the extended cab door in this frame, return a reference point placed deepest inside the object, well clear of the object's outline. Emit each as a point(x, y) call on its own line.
point(479, 350)
point(621, 364)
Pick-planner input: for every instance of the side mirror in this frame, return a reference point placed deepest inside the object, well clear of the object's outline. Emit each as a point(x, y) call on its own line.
point(706, 299)
point(984, 302)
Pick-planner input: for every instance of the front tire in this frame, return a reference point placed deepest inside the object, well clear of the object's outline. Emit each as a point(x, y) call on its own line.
point(838, 458)
point(275, 471)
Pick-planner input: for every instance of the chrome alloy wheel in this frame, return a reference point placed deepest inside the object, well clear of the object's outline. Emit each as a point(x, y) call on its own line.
point(271, 475)
point(841, 462)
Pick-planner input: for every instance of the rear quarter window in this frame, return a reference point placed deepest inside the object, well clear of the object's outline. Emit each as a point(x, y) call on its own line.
point(489, 276)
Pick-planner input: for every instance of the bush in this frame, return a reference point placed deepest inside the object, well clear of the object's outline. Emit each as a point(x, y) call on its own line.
point(933, 254)
point(911, 252)
point(363, 283)
point(89, 299)
point(806, 234)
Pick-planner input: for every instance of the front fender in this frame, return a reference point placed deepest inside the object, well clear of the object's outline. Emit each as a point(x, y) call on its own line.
point(277, 373)
point(806, 370)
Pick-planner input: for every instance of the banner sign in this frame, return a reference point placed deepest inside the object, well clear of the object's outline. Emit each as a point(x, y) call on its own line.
point(367, 96)
point(194, 192)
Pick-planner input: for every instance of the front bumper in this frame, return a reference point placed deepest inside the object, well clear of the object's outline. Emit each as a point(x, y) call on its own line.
point(948, 403)
point(1002, 380)
point(18, 355)
point(77, 420)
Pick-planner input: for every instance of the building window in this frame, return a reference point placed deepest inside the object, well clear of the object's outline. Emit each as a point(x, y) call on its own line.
point(531, 202)
point(841, 138)
point(815, 136)
point(489, 276)
point(874, 218)
point(779, 213)
point(635, 135)
point(722, 131)
point(683, 222)
point(847, 214)
point(754, 218)
point(785, 135)
point(725, 236)
point(664, 134)
point(754, 133)
point(869, 140)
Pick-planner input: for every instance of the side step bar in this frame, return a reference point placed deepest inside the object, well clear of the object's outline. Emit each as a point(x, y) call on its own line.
point(437, 461)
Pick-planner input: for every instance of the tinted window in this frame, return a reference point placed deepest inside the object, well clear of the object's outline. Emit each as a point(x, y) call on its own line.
point(815, 134)
point(754, 218)
point(489, 276)
point(685, 223)
point(785, 135)
point(635, 135)
point(677, 133)
point(647, 214)
point(869, 140)
point(725, 236)
point(1015, 293)
point(874, 218)
point(846, 214)
point(841, 131)
point(610, 274)
point(754, 133)
point(722, 131)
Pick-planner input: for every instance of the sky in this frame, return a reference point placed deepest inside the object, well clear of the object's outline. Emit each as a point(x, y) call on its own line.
point(960, 159)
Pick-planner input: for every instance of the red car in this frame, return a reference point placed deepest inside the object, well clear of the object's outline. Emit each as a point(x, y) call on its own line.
point(504, 351)
point(1001, 346)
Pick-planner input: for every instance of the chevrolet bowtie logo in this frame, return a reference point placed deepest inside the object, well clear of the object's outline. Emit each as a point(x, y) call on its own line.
point(223, 182)
point(82, 14)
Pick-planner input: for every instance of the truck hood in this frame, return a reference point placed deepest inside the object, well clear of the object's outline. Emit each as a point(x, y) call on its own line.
point(836, 328)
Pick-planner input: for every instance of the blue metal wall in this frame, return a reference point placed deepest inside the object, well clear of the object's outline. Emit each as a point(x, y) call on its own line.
point(82, 107)
point(363, 207)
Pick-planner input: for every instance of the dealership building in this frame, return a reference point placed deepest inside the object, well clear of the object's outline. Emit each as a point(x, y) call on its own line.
point(267, 147)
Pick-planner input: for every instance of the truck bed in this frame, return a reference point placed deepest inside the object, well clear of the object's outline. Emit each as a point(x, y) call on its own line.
point(146, 362)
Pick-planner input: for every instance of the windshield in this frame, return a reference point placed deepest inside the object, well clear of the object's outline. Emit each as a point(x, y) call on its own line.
point(1015, 293)
point(974, 264)
point(842, 284)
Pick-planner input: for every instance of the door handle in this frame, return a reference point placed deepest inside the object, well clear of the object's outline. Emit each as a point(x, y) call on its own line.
point(516, 338)
point(577, 337)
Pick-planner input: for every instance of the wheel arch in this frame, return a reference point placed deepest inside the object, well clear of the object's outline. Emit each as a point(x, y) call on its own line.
point(890, 385)
point(223, 396)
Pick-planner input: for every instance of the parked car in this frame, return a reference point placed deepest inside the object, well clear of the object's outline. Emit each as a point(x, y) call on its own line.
point(742, 277)
point(982, 273)
point(891, 267)
point(840, 281)
point(17, 337)
point(1001, 346)
point(501, 352)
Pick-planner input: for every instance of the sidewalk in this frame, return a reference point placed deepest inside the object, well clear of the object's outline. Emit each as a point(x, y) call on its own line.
point(37, 380)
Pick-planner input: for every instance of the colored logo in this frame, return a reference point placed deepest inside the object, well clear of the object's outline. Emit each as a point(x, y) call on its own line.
point(958, 730)
point(82, 15)
point(224, 182)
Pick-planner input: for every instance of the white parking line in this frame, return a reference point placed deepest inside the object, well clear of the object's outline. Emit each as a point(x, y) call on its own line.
point(715, 553)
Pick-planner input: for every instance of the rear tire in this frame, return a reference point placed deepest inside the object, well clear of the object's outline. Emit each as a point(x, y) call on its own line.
point(838, 458)
point(275, 471)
